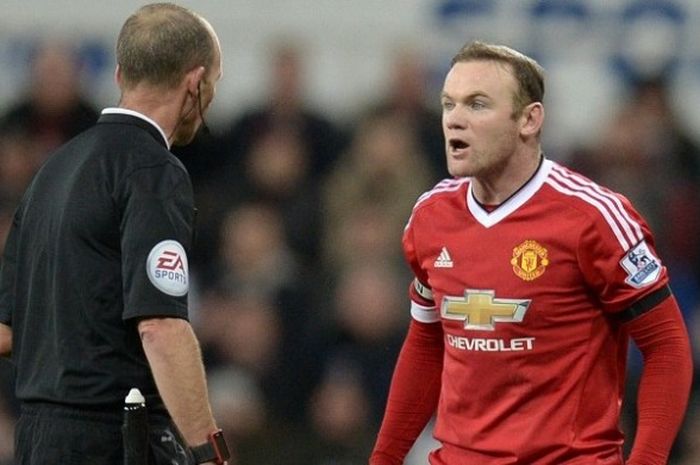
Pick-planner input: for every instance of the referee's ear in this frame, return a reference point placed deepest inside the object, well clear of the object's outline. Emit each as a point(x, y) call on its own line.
point(193, 78)
point(118, 76)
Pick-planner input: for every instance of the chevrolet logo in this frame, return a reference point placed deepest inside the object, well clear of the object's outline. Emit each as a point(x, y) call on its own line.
point(480, 310)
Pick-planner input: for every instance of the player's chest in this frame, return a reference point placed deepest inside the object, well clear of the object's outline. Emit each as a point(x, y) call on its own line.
point(516, 250)
point(487, 274)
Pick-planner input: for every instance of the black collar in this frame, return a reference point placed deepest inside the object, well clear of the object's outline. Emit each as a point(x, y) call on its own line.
point(119, 118)
point(493, 207)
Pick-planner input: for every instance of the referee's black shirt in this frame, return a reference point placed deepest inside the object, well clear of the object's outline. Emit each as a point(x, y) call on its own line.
point(98, 241)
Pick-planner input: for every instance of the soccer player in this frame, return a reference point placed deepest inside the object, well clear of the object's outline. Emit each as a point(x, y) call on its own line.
point(529, 281)
point(94, 281)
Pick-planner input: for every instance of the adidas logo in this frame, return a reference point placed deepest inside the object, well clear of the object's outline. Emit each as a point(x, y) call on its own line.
point(444, 260)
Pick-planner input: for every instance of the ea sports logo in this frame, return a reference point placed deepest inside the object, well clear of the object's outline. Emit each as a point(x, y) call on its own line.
point(167, 268)
point(170, 260)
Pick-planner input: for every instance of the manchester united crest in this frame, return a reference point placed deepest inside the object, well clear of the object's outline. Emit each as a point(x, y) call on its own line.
point(529, 260)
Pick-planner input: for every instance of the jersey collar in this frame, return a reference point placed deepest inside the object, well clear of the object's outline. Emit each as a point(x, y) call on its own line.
point(126, 111)
point(513, 203)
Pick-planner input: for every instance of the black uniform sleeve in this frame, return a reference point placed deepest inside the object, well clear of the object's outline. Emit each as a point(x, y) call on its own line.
point(8, 273)
point(156, 234)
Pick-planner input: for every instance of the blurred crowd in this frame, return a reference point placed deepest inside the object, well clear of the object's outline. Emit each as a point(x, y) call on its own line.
point(300, 296)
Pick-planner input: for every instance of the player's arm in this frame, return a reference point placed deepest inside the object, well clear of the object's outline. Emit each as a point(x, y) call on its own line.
point(5, 340)
point(416, 383)
point(414, 393)
point(656, 326)
point(175, 358)
point(619, 260)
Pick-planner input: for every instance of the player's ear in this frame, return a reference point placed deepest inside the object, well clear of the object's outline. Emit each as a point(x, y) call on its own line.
point(532, 118)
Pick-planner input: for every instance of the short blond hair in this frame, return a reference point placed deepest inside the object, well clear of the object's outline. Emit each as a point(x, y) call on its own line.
point(527, 72)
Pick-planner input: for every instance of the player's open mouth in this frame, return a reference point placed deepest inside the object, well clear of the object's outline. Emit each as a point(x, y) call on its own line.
point(457, 145)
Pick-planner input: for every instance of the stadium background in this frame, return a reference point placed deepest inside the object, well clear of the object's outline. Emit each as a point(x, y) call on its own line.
point(325, 130)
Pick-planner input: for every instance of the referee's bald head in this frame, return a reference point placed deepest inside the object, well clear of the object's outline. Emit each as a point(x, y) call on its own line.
point(161, 42)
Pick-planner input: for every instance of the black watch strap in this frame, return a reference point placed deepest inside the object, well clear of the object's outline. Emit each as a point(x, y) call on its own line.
point(214, 450)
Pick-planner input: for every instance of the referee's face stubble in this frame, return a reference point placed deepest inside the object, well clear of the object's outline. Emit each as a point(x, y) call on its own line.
point(199, 99)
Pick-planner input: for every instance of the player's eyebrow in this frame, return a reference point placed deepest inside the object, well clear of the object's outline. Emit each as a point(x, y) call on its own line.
point(471, 96)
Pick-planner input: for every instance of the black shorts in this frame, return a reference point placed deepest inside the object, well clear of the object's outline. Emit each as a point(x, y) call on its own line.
point(50, 435)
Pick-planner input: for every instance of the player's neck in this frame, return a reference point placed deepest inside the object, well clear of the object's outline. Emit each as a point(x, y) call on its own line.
point(518, 171)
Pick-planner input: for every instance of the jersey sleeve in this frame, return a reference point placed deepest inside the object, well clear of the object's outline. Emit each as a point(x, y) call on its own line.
point(423, 307)
point(618, 258)
point(156, 233)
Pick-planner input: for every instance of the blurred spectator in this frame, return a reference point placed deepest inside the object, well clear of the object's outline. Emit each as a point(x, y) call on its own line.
point(246, 331)
point(277, 170)
point(407, 98)
point(644, 152)
point(370, 315)
point(258, 316)
point(339, 416)
point(277, 152)
point(378, 181)
point(53, 109)
point(273, 171)
point(241, 331)
point(647, 155)
point(365, 233)
point(689, 438)
point(286, 109)
point(255, 255)
point(18, 163)
point(7, 428)
point(255, 436)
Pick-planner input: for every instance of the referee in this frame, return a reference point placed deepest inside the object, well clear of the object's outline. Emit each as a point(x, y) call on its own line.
point(94, 280)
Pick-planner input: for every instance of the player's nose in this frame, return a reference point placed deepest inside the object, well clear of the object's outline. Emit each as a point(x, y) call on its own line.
point(455, 119)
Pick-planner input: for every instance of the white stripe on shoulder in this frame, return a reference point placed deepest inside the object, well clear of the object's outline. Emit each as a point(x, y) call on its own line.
point(631, 227)
point(424, 314)
point(556, 183)
point(446, 185)
point(616, 230)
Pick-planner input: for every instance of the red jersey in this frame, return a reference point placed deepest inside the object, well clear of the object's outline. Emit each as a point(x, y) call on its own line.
point(534, 357)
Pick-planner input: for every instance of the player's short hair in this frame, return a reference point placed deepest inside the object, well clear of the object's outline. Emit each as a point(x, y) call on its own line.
point(527, 72)
point(160, 43)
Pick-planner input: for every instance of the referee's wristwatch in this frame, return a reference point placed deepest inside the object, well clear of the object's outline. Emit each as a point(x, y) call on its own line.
point(214, 450)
